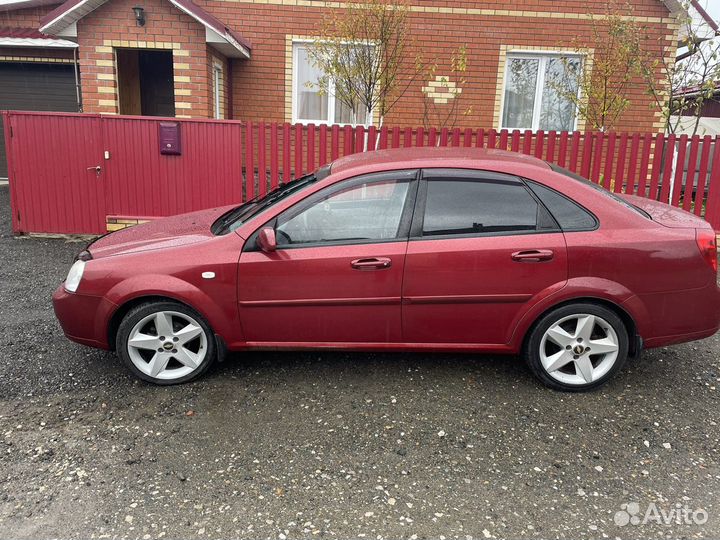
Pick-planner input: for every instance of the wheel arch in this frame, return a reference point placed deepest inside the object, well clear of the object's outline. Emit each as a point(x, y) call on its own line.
point(222, 317)
point(627, 319)
point(122, 310)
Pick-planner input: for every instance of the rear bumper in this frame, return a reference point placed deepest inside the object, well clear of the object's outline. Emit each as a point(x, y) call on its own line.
point(683, 316)
point(83, 318)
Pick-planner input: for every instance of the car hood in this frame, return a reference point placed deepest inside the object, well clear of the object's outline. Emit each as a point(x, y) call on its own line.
point(161, 233)
point(666, 215)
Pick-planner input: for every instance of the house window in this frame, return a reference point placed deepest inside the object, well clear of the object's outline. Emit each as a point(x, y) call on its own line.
point(309, 104)
point(534, 92)
point(218, 91)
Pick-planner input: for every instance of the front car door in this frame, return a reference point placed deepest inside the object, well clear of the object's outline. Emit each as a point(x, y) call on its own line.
point(336, 275)
point(481, 248)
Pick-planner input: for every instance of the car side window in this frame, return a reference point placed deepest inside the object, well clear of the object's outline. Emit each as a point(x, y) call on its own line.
point(370, 209)
point(569, 215)
point(481, 206)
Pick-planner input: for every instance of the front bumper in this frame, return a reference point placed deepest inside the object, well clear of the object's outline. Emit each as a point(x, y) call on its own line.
point(83, 318)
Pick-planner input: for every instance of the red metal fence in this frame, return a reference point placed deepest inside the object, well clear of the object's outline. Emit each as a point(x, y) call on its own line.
point(57, 188)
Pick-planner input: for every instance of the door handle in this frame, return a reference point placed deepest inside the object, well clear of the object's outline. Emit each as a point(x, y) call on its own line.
point(373, 263)
point(96, 168)
point(533, 255)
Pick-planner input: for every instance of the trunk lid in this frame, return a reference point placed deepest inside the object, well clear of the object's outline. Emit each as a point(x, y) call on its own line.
point(667, 215)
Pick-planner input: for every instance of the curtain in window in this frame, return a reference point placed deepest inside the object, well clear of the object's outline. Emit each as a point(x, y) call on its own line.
point(556, 111)
point(520, 86)
point(311, 105)
point(343, 114)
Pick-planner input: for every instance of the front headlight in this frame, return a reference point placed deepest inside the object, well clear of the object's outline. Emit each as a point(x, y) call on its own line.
point(74, 276)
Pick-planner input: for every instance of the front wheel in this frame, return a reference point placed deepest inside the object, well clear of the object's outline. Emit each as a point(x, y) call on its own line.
point(577, 347)
point(165, 343)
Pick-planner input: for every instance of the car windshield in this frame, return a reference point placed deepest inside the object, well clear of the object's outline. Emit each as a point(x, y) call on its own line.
point(598, 188)
point(231, 220)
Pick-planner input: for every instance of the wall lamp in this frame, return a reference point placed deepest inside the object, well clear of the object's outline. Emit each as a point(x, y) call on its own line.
point(139, 15)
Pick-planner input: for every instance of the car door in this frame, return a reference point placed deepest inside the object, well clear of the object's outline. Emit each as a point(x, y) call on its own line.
point(481, 248)
point(336, 274)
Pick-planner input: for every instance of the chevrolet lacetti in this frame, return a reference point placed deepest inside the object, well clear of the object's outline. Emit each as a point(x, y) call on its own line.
point(414, 249)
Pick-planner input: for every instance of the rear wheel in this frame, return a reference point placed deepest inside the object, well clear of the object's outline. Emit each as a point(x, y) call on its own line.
point(577, 347)
point(165, 343)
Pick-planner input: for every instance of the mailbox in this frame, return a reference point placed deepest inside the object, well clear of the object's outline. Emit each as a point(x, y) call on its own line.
point(169, 137)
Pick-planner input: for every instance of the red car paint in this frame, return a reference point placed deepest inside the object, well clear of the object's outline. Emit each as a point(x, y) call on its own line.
point(464, 293)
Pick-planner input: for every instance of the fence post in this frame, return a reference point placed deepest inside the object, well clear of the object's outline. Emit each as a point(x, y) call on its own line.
point(287, 173)
point(298, 150)
point(712, 210)
point(587, 154)
point(322, 154)
point(689, 183)
point(249, 162)
point(310, 159)
point(262, 177)
point(668, 166)
point(620, 167)
point(644, 163)
point(274, 155)
point(702, 175)
point(633, 164)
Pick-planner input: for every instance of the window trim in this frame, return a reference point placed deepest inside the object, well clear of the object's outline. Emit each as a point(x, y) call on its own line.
point(218, 83)
point(296, 44)
point(543, 57)
point(485, 176)
point(412, 177)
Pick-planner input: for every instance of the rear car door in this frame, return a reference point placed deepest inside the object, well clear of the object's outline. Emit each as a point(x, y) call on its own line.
point(336, 275)
point(481, 248)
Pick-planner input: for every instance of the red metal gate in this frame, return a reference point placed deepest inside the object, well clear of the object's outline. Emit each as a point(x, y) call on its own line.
point(68, 172)
point(51, 162)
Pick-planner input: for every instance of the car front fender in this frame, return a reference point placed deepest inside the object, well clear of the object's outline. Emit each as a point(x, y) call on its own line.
point(223, 318)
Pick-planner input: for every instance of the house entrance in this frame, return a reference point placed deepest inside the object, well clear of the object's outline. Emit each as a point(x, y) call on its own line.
point(145, 82)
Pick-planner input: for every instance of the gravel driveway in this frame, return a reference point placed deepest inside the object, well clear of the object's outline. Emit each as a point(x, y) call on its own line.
point(321, 445)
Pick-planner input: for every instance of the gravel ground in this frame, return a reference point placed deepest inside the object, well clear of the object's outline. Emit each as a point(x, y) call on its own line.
point(318, 445)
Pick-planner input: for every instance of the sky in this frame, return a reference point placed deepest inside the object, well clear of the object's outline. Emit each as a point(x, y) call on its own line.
point(713, 8)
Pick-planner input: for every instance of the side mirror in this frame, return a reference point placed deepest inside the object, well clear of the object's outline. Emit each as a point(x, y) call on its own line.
point(266, 240)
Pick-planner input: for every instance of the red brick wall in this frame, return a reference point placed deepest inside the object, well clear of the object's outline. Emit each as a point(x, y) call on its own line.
point(29, 18)
point(113, 25)
point(259, 85)
point(24, 18)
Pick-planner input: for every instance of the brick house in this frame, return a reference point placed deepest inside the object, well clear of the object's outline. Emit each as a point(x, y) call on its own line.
point(245, 59)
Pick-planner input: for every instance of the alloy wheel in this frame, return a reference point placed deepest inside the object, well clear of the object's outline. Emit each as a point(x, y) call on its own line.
point(167, 345)
point(579, 349)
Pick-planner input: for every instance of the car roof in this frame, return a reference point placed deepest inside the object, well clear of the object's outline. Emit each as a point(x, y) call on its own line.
point(432, 157)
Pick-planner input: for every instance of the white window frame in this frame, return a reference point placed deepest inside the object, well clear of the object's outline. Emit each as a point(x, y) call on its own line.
point(296, 44)
point(217, 90)
point(542, 57)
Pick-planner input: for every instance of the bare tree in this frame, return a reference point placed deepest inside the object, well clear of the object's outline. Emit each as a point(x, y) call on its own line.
point(363, 52)
point(599, 91)
point(684, 77)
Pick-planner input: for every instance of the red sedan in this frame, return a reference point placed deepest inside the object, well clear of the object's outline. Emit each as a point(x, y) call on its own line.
point(413, 249)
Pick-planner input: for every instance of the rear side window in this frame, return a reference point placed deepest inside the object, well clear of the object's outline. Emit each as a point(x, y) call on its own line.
point(598, 188)
point(474, 206)
point(569, 215)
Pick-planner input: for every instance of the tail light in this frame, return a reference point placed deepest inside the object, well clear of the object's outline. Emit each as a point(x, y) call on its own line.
point(707, 243)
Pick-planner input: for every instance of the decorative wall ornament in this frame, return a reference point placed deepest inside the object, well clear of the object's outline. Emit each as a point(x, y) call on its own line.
point(442, 89)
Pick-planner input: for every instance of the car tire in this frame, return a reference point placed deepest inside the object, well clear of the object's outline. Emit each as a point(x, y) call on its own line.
point(184, 354)
point(577, 347)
